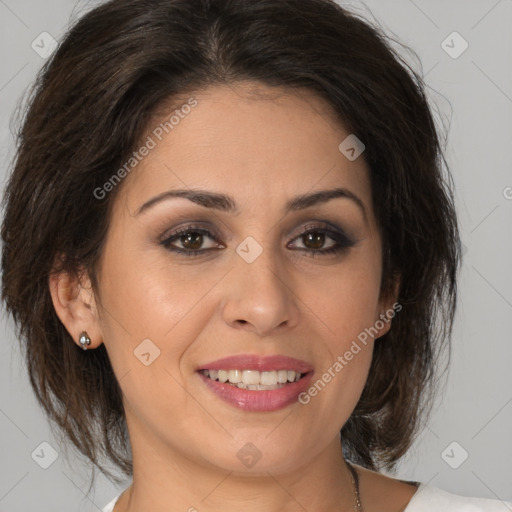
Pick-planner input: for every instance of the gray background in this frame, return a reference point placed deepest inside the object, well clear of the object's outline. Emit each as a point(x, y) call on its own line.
point(473, 94)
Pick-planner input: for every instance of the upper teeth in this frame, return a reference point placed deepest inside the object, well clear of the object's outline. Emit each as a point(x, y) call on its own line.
point(253, 377)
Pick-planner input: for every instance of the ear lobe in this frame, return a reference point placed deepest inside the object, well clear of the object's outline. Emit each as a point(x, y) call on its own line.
point(383, 324)
point(74, 302)
point(388, 307)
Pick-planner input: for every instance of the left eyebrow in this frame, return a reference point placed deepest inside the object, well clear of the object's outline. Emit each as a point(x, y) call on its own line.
point(307, 200)
point(226, 203)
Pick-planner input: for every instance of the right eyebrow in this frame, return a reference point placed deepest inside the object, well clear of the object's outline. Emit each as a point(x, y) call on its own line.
point(201, 197)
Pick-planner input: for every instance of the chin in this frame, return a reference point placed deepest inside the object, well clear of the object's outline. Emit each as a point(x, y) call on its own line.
point(258, 454)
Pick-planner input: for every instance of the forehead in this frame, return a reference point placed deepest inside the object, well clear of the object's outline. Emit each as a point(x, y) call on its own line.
point(249, 141)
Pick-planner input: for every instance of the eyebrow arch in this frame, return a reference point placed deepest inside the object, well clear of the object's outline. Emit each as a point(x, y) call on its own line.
point(226, 203)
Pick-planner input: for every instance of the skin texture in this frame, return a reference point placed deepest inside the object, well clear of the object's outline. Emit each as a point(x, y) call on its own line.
point(262, 147)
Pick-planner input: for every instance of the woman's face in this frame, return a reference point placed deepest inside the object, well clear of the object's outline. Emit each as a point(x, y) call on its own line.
point(252, 266)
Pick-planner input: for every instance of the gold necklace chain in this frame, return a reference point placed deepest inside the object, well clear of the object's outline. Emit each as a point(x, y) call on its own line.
point(355, 485)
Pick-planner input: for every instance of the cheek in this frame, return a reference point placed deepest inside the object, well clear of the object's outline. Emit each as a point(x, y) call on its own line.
point(153, 312)
point(344, 306)
point(345, 313)
point(344, 300)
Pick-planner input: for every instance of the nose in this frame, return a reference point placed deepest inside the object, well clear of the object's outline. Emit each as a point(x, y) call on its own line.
point(259, 297)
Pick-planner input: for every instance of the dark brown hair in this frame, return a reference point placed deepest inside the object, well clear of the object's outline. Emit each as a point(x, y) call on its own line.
point(90, 106)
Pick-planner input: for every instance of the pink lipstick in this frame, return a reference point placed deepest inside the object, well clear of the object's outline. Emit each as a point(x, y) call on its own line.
point(257, 383)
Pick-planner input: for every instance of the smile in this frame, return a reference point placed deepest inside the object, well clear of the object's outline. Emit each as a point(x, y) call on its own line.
point(257, 383)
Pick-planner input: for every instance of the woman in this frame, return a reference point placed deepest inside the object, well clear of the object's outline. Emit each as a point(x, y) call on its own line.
point(242, 255)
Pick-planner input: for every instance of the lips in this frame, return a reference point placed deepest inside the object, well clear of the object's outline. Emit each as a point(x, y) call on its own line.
point(255, 383)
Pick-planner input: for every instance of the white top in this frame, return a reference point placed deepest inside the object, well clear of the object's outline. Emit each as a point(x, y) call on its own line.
point(432, 499)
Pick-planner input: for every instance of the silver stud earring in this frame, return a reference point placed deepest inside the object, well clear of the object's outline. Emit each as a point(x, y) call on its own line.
point(84, 340)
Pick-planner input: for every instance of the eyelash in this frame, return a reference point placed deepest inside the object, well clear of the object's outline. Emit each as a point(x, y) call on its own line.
point(343, 242)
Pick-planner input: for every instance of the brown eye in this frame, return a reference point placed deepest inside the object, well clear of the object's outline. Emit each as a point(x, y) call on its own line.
point(314, 240)
point(192, 241)
point(322, 241)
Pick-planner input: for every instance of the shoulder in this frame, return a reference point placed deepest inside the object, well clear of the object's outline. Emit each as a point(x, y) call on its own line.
point(428, 498)
point(381, 493)
point(110, 506)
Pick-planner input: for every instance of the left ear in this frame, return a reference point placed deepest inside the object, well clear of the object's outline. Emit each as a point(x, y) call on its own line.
point(388, 307)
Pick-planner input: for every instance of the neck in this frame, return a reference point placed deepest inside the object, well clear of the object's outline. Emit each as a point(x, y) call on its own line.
point(165, 482)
